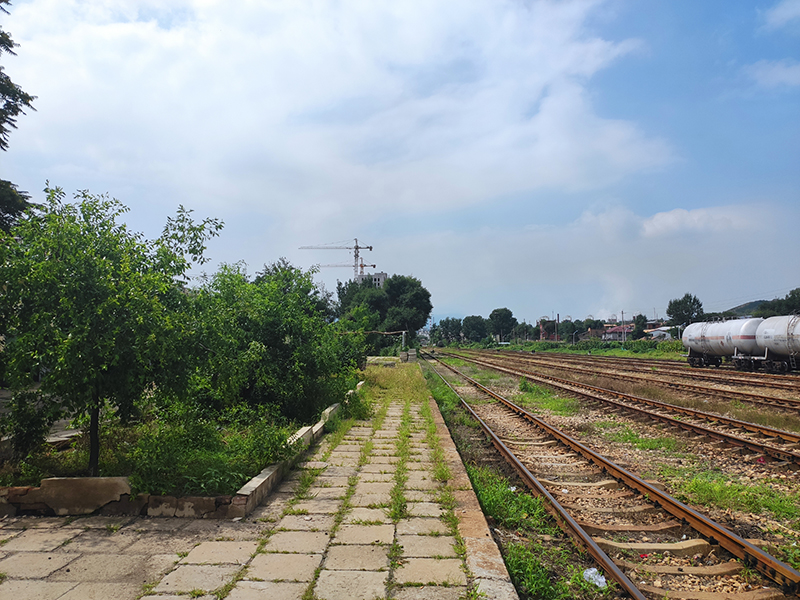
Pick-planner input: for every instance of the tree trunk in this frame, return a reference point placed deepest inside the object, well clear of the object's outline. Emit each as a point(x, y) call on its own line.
point(94, 437)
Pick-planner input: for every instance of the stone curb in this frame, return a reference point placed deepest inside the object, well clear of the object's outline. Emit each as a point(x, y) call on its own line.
point(65, 496)
point(483, 556)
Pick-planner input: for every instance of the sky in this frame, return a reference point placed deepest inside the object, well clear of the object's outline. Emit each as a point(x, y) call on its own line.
point(586, 157)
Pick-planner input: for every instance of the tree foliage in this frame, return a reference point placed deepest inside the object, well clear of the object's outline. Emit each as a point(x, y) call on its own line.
point(503, 322)
point(402, 304)
point(13, 100)
point(474, 328)
point(788, 305)
point(90, 308)
point(683, 311)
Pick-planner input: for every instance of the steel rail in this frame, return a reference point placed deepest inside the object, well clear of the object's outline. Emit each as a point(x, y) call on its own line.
point(754, 446)
point(738, 378)
point(553, 507)
point(790, 379)
point(745, 396)
point(779, 572)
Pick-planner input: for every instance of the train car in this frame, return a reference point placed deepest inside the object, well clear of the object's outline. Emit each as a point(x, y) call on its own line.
point(751, 344)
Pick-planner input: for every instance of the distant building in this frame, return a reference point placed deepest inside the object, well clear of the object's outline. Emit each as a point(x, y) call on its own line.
point(618, 333)
point(378, 279)
point(659, 333)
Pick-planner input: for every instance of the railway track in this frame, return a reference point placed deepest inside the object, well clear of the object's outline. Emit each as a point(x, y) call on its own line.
point(728, 376)
point(751, 398)
point(656, 539)
point(783, 447)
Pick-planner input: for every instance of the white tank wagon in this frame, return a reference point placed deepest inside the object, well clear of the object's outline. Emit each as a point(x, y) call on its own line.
point(772, 343)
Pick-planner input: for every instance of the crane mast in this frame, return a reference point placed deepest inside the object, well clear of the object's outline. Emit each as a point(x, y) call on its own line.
point(356, 256)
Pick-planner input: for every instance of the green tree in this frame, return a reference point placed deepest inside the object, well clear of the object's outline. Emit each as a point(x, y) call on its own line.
point(12, 102)
point(450, 329)
point(474, 328)
point(90, 307)
point(639, 325)
point(503, 321)
point(409, 304)
point(780, 306)
point(267, 342)
point(683, 311)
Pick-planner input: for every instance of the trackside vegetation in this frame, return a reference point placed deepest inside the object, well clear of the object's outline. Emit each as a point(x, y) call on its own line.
point(187, 386)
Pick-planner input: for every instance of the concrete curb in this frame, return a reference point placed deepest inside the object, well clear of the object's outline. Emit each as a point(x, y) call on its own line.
point(66, 496)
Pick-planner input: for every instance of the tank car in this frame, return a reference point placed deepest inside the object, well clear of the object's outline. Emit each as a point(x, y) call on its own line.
point(772, 344)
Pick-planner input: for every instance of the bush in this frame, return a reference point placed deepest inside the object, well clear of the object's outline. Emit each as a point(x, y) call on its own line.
point(28, 421)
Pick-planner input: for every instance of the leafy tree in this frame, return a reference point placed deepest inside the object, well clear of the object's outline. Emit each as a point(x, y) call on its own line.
point(780, 306)
point(12, 102)
point(503, 321)
point(409, 304)
point(474, 328)
point(683, 311)
point(267, 342)
point(13, 99)
point(639, 325)
point(450, 329)
point(91, 308)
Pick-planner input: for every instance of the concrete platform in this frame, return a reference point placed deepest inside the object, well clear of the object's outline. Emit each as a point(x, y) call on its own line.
point(338, 540)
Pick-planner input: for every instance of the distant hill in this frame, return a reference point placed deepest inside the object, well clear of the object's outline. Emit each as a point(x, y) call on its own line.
point(746, 309)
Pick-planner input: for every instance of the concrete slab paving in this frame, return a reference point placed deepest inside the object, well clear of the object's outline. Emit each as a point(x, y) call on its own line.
point(303, 542)
point(431, 570)
point(427, 545)
point(356, 558)
point(365, 534)
point(211, 553)
point(421, 526)
point(351, 585)
point(32, 589)
point(366, 515)
point(306, 523)
point(318, 506)
point(33, 565)
point(288, 567)
point(103, 591)
point(197, 577)
point(39, 540)
point(431, 592)
point(273, 590)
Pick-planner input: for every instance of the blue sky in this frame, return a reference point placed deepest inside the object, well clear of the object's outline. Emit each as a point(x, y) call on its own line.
point(586, 157)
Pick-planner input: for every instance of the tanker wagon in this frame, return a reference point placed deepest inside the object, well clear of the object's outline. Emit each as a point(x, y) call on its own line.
point(751, 344)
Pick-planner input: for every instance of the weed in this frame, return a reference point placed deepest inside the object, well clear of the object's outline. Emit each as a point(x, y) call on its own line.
point(629, 436)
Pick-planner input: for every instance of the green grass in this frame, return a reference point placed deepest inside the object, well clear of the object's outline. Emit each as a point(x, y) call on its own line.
point(710, 487)
point(533, 395)
point(628, 436)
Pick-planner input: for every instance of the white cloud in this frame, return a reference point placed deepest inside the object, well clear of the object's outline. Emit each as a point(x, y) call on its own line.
point(313, 111)
point(783, 13)
point(775, 73)
point(701, 220)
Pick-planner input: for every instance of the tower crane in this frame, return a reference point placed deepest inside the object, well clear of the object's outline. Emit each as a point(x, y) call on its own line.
point(356, 256)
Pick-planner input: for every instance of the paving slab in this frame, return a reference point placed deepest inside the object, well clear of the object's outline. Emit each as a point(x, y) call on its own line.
point(306, 523)
point(117, 568)
point(35, 523)
point(425, 509)
point(431, 570)
point(100, 542)
point(288, 567)
point(351, 585)
point(377, 477)
point(303, 542)
point(365, 534)
point(432, 592)
point(420, 526)
point(371, 500)
point(427, 546)
point(332, 481)
point(237, 553)
point(329, 493)
point(374, 488)
point(159, 543)
point(366, 515)
point(33, 565)
point(318, 506)
point(195, 577)
point(273, 590)
point(39, 540)
point(31, 589)
point(378, 468)
point(103, 591)
point(356, 558)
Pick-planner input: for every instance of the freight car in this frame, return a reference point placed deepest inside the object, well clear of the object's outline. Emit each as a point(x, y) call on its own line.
point(771, 344)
